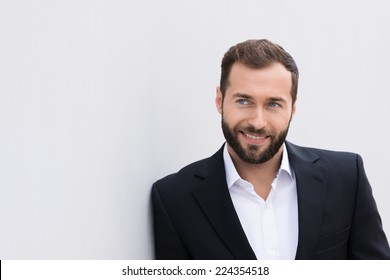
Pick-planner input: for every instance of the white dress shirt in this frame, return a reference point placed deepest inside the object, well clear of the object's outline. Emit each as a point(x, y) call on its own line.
point(270, 225)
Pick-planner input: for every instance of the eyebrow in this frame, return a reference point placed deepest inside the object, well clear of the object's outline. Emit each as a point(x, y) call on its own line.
point(278, 99)
point(242, 95)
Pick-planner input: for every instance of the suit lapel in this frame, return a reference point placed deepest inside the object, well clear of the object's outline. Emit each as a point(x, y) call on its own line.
point(213, 196)
point(311, 179)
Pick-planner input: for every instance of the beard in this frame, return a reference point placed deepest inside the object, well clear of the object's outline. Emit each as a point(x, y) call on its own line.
point(252, 153)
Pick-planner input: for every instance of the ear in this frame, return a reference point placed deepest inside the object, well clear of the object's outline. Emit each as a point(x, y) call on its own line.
point(294, 108)
point(218, 99)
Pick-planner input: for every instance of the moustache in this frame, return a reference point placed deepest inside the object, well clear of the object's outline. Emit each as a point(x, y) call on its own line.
point(252, 129)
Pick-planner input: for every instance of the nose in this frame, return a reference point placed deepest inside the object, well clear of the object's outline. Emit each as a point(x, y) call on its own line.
point(258, 119)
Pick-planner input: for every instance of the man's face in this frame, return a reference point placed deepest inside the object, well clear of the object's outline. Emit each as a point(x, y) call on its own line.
point(256, 111)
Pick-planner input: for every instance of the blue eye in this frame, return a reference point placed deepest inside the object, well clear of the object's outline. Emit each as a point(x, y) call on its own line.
point(242, 102)
point(274, 105)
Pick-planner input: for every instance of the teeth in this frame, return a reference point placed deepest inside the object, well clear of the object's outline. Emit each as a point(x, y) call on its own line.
point(254, 137)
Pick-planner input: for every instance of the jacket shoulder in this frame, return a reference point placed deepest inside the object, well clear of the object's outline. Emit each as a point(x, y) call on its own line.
point(323, 154)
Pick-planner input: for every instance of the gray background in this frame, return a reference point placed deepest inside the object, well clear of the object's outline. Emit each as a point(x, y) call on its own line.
point(100, 98)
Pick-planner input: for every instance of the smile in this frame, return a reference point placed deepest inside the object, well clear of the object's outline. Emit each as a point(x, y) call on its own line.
point(254, 139)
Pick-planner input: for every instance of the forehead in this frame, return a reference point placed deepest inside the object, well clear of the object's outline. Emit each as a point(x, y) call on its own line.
point(273, 74)
point(273, 79)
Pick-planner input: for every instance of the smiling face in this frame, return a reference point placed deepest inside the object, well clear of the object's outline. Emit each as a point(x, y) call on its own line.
point(256, 110)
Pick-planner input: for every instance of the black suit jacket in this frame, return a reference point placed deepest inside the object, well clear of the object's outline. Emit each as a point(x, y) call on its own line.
point(194, 217)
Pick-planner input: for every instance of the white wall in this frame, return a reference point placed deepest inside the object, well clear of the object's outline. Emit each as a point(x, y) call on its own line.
point(100, 98)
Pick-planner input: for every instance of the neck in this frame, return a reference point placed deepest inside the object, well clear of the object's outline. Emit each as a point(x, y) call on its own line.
point(259, 175)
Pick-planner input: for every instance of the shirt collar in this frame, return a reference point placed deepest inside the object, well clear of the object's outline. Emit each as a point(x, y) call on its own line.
point(232, 175)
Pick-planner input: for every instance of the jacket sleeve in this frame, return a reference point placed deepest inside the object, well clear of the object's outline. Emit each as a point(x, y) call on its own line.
point(168, 245)
point(367, 238)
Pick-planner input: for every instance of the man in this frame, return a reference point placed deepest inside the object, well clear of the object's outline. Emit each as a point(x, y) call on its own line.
point(259, 196)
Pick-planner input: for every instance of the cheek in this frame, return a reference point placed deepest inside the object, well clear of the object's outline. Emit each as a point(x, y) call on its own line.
point(233, 121)
point(233, 115)
point(283, 115)
point(227, 108)
point(279, 120)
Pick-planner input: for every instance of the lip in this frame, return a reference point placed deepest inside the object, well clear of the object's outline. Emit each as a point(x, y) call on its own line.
point(253, 138)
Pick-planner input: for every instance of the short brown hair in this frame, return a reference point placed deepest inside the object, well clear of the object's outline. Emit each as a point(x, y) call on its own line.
point(258, 54)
